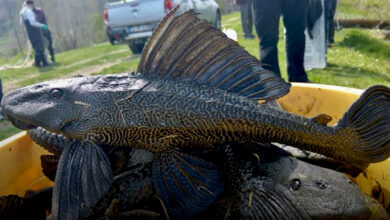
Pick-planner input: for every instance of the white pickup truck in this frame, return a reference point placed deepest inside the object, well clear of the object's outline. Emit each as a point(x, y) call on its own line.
point(133, 21)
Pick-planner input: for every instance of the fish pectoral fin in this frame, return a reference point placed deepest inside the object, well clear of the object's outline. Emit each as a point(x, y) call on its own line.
point(186, 184)
point(83, 176)
point(322, 119)
point(266, 200)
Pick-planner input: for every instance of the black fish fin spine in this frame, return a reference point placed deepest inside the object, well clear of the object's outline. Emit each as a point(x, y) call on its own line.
point(369, 118)
point(166, 55)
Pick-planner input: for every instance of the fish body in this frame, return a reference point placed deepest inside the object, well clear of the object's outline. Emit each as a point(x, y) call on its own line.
point(267, 183)
point(160, 115)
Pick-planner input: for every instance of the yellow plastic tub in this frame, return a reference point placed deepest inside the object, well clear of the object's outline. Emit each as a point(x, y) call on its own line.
point(20, 167)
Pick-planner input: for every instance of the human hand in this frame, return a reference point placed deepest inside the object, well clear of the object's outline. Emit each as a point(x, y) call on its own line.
point(44, 27)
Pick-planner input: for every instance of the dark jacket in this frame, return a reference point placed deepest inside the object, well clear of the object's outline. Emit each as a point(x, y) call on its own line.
point(40, 15)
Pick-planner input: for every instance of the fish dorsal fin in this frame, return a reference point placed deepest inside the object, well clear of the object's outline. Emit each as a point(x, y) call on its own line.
point(189, 49)
point(323, 119)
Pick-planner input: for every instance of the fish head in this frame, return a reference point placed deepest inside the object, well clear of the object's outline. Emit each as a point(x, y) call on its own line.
point(326, 193)
point(73, 106)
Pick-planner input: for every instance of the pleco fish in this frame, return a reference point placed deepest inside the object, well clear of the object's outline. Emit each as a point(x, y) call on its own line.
point(194, 88)
point(267, 183)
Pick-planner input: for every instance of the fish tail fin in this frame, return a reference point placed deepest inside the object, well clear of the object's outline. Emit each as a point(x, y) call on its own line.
point(368, 119)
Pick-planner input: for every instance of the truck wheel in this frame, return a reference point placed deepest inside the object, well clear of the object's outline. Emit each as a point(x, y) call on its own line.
point(136, 47)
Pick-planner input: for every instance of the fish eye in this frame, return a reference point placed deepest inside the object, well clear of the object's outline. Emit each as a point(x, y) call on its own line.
point(56, 93)
point(295, 184)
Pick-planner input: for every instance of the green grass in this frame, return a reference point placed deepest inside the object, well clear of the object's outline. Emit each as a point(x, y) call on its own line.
point(66, 63)
point(12, 60)
point(128, 66)
point(56, 70)
point(358, 58)
point(7, 130)
point(363, 9)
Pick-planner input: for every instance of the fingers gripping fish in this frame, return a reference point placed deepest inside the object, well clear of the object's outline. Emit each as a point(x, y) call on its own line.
point(195, 89)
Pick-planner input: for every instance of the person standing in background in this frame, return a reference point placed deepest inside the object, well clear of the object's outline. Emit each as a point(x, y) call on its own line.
point(41, 18)
point(246, 17)
point(267, 15)
point(330, 11)
point(27, 17)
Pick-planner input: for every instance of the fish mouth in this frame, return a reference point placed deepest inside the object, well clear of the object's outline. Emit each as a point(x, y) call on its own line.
point(22, 125)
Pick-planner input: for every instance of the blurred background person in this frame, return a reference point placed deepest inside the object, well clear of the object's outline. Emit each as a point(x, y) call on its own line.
point(34, 33)
point(330, 11)
point(267, 15)
point(41, 18)
point(246, 8)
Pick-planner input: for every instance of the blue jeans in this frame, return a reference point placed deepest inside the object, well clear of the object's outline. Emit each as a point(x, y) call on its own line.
point(330, 11)
point(247, 18)
point(267, 16)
